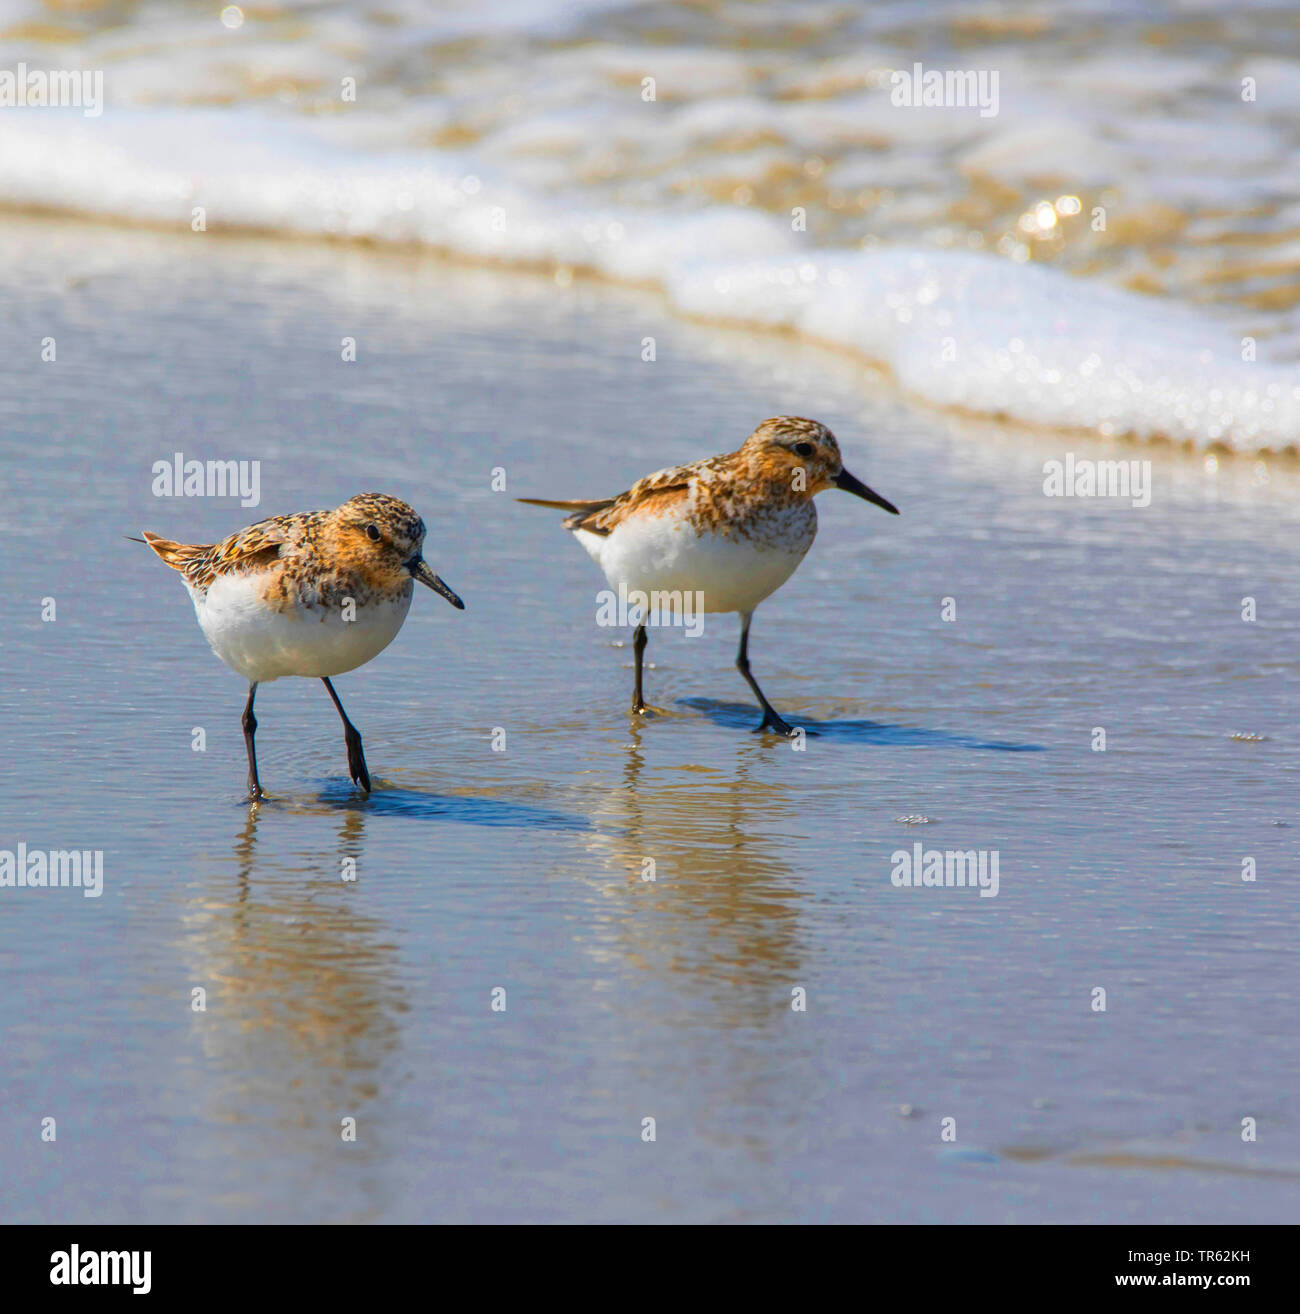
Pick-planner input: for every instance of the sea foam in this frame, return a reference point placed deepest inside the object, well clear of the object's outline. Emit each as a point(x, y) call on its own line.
point(957, 329)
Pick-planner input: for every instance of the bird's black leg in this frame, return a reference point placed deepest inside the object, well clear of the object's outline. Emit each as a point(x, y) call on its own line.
point(351, 737)
point(771, 719)
point(249, 722)
point(638, 647)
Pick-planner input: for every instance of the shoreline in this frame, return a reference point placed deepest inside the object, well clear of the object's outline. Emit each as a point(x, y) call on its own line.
point(1285, 459)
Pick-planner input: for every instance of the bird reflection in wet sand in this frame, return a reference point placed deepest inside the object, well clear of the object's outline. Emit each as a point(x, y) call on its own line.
point(723, 905)
point(304, 1002)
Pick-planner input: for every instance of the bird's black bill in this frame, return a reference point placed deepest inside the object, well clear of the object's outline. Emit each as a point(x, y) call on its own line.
point(419, 569)
point(849, 484)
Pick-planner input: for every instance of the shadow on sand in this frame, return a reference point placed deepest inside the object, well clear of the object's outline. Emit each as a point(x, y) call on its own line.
point(394, 801)
point(745, 716)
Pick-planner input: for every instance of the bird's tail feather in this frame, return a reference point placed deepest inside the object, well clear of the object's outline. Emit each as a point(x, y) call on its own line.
point(176, 555)
point(578, 505)
point(581, 513)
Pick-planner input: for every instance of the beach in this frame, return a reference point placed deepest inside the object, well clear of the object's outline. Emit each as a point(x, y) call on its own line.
point(798, 1025)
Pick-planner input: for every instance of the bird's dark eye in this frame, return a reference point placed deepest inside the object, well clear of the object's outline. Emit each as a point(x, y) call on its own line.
point(804, 449)
point(372, 533)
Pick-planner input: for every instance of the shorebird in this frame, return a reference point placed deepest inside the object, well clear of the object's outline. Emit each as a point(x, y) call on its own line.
point(728, 530)
point(313, 595)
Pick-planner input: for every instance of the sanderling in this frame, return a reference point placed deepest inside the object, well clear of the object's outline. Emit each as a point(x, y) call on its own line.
point(729, 530)
point(312, 595)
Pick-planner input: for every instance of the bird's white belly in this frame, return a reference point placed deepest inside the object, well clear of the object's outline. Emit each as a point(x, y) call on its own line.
point(665, 554)
point(261, 643)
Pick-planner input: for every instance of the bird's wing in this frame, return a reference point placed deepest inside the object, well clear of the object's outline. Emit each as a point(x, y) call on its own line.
point(651, 495)
point(253, 548)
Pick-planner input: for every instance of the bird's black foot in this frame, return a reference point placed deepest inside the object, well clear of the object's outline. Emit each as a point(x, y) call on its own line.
point(255, 792)
point(773, 724)
point(357, 763)
point(648, 709)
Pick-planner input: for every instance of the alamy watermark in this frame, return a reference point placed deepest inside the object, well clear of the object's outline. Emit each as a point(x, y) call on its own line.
point(41, 869)
point(946, 869)
point(1081, 477)
point(75, 1267)
point(181, 478)
point(57, 88)
point(657, 608)
point(945, 88)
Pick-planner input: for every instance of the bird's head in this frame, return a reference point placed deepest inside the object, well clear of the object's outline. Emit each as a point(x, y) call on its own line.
point(806, 453)
point(388, 537)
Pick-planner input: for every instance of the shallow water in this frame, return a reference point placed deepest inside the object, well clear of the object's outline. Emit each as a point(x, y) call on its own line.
point(522, 869)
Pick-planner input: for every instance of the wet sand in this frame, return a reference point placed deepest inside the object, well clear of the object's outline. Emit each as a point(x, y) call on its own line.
point(521, 869)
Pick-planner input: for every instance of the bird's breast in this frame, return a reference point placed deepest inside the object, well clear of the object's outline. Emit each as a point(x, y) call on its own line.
point(263, 633)
point(728, 563)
